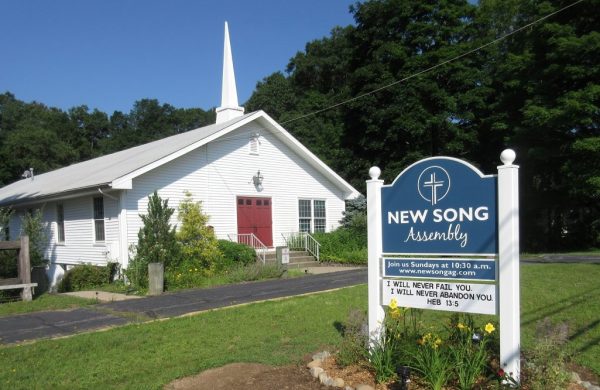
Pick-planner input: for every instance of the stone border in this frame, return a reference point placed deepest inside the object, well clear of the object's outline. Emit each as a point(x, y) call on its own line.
point(319, 373)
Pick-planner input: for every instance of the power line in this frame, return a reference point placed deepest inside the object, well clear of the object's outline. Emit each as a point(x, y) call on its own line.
point(434, 66)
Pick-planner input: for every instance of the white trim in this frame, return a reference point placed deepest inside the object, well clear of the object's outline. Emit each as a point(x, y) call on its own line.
point(123, 243)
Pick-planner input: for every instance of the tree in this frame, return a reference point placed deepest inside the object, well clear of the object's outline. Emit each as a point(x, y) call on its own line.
point(89, 130)
point(157, 242)
point(200, 247)
point(5, 215)
point(546, 102)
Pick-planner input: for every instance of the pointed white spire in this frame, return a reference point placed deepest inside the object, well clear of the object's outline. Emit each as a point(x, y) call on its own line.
point(229, 102)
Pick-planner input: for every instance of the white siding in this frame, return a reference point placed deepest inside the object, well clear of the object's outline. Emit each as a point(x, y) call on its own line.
point(218, 172)
point(79, 246)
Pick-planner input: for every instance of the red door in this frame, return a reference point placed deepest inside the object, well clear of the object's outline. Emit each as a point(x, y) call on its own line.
point(254, 216)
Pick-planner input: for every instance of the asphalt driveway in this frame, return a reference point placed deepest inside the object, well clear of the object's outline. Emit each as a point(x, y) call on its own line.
point(31, 326)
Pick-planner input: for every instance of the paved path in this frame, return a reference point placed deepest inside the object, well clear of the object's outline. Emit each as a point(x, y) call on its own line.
point(62, 323)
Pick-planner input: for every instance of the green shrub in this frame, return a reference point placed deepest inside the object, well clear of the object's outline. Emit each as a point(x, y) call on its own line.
point(87, 276)
point(234, 253)
point(343, 245)
point(185, 275)
point(32, 225)
point(199, 246)
point(157, 241)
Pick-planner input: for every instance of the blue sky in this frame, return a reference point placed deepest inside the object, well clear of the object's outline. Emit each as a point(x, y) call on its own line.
point(109, 53)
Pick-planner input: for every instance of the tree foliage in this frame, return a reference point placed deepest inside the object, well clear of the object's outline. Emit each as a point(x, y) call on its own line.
point(33, 226)
point(157, 241)
point(536, 91)
point(200, 247)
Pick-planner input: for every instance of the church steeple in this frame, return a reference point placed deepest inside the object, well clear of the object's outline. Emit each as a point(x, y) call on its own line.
point(229, 102)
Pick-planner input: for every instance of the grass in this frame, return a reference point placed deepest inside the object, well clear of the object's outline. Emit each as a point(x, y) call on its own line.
point(44, 302)
point(277, 333)
point(149, 355)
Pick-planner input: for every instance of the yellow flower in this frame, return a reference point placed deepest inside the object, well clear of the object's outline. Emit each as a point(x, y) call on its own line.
point(393, 304)
point(395, 313)
point(461, 326)
point(489, 327)
point(438, 342)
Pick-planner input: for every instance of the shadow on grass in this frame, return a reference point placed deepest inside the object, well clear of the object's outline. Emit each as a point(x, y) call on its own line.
point(556, 307)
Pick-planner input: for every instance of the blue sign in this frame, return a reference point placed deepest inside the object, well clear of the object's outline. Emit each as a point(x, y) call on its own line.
point(440, 205)
point(424, 268)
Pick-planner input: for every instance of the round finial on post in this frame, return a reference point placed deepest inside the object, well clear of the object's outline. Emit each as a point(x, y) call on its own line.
point(374, 172)
point(508, 156)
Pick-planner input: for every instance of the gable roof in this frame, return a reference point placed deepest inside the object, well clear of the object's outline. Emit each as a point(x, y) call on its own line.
point(116, 170)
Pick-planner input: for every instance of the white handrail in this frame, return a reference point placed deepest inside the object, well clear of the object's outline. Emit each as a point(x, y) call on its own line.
point(252, 241)
point(303, 241)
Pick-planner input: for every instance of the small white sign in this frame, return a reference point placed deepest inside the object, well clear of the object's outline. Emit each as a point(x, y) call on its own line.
point(285, 255)
point(461, 297)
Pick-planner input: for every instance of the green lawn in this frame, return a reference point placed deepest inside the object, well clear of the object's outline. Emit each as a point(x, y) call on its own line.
point(279, 332)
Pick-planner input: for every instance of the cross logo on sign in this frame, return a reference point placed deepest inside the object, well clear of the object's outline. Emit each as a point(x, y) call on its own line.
point(433, 184)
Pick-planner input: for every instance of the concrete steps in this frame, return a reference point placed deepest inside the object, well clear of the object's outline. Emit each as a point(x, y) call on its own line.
point(298, 259)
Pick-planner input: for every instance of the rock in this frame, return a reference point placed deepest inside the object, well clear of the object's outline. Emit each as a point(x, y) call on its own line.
point(349, 388)
point(323, 377)
point(316, 371)
point(321, 355)
point(589, 385)
point(364, 387)
point(575, 377)
point(338, 382)
point(314, 363)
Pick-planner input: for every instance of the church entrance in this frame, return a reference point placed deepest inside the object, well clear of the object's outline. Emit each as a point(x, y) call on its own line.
point(254, 216)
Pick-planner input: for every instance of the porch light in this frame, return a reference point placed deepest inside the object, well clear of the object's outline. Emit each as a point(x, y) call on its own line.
point(258, 180)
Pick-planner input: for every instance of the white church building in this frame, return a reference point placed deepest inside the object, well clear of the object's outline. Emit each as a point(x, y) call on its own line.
point(252, 177)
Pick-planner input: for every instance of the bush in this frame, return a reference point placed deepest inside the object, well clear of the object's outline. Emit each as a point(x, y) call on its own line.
point(157, 241)
point(32, 225)
point(343, 246)
point(87, 276)
point(199, 245)
point(234, 253)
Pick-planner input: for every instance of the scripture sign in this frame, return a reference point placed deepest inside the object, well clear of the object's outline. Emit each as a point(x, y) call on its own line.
point(440, 205)
point(462, 297)
point(454, 268)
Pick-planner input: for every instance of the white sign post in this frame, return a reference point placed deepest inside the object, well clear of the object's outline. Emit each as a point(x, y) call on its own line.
point(376, 313)
point(508, 254)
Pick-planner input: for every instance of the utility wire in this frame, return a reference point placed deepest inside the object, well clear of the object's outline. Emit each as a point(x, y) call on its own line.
point(434, 66)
